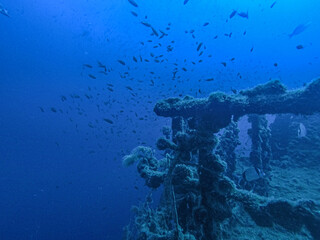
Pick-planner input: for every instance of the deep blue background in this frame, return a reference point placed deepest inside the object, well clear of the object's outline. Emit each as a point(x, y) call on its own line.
point(60, 173)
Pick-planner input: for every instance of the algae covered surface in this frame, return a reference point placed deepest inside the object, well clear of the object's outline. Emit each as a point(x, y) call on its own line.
point(205, 194)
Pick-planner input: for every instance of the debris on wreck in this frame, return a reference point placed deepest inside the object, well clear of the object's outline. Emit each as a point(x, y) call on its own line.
point(199, 199)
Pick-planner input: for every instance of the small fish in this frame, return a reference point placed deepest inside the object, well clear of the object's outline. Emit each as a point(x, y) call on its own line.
point(244, 14)
point(234, 90)
point(299, 46)
point(100, 65)
point(134, 59)
point(41, 109)
point(302, 131)
point(272, 5)
point(163, 34)
point(133, 3)
point(129, 88)
point(209, 79)
point(91, 76)
point(108, 120)
point(87, 65)
point(275, 64)
point(252, 174)
point(134, 13)
point(53, 110)
point(199, 46)
point(224, 64)
point(205, 24)
point(251, 49)
point(146, 24)
point(184, 69)
point(299, 29)
point(234, 12)
point(110, 89)
point(185, 2)
point(122, 62)
point(155, 32)
point(4, 11)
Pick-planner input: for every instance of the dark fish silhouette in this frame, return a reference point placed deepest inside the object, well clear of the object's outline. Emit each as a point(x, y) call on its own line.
point(102, 66)
point(87, 65)
point(244, 14)
point(206, 24)
point(299, 29)
point(185, 2)
point(91, 76)
point(299, 46)
point(122, 62)
point(108, 120)
point(209, 79)
point(133, 3)
point(134, 13)
point(155, 32)
point(233, 14)
point(199, 46)
point(146, 24)
point(272, 5)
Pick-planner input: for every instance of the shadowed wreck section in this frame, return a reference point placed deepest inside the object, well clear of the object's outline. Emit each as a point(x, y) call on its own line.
point(199, 200)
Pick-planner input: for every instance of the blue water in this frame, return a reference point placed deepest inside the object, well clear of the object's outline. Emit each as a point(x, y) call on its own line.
point(61, 175)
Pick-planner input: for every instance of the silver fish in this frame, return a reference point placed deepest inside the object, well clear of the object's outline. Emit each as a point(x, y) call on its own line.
point(252, 174)
point(4, 11)
point(302, 131)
